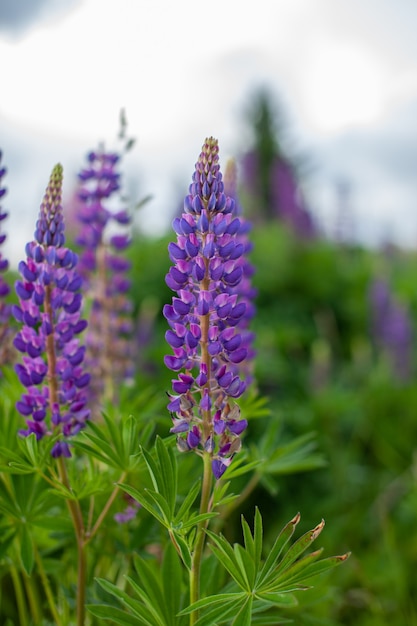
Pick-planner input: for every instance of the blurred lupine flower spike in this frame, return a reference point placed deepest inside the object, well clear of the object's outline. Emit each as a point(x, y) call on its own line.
point(5, 308)
point(103, 268)
point(49, 311)
point(204, 318)
point(391, 328)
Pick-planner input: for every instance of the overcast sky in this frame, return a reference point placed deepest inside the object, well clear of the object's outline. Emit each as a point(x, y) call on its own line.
point(345, 71)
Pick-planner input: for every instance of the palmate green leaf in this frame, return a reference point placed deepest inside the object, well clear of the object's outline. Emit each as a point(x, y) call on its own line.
point(113, 442)
point(244, 616)
point(171, 583)
point(107, 612)
point(146, 501)
point(226, 555)
point(188, 502)
point(298, 455)
point(270, 619)
point(27, 550)
point(279, 544)
point(220, 598)
point(273, 582)
point(136, 607)
point(220, 613)
point(253, 544)
point(183, 548)
point(307, 568)
point(278, 599)
point(299, 547)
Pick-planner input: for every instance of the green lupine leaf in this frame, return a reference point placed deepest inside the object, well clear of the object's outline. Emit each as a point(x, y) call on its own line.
point(220, 598)
point(244, 616)
point(130, 436)
point(219, 613)
point(196, 519)
point(225, 554)
point(136, 607)
point(258, 538)
point(171, 583)
point(32, 448)
point(272, 619)
point(314, 569)
point(279, 599)
point(152, 468)
point(107, 612)
point(27, 551)
point(15, 463)
point(153, 606)
point(184, 549)
point(248, 539)
point(167, 482)
point(146, 501)
point(6, 542)
point(279, 544)
point(299, 547)
point(188, 502)
point(114, 428)
point(240, 466)
point(293, 573)
point(161, 503)
point(246, 566)
point(295, 456)
point(99, 446)
point(150, 586)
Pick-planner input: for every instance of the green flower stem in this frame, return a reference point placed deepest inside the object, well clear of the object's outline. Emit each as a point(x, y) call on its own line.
point(33, 597)
point(77, 520)
point(200, 539)
point(106, 508)
point(20, 596)
point(47, 588)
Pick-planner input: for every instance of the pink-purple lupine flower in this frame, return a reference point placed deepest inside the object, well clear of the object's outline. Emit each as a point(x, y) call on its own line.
point(49, 311)
point(204, 317)
point(5, 308)
point(103, 266)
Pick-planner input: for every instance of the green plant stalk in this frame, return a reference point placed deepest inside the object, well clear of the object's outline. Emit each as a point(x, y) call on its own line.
point(200, 538)
point(106, 508)
point(77, 520)
point(47, 588)
point(20, 597)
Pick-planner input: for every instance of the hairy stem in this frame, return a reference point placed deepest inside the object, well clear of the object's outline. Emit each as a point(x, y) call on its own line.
point(105, 510)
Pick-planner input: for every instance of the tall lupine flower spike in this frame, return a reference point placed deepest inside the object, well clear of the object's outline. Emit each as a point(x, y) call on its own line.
point(49, 309)
point(4, 287)
point(204, 318)
point(104, 268)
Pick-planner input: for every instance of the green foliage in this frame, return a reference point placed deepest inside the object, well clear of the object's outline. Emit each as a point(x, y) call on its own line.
point(261, 585)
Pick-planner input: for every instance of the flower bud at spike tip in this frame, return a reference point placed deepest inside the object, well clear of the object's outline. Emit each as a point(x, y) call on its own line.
point(208, 329)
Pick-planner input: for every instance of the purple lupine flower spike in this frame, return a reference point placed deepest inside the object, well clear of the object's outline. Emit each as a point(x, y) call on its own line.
point(49, 311)
point(391, 329)
point(103, 268)
point(204, 318)
point(5, 308)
